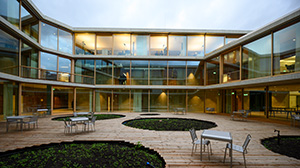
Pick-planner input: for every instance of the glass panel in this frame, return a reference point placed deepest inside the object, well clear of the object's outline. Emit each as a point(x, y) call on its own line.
point(35, 97)
point(213, 42)
point(30, 24)
point(104, 45)
point(196, 101)
point(63, 101)
point(195, 73)
point(84, 43)
point(177, 45)
point(212, 71)
point(121, 101)
point(254, 100)
point(177, 72)
point(29, 61)
point(231, 67)
point(139, 100)
point(9, 94)
point(257, 58)
point(49, 36)
point(228, 40)
point(84, 70)
point(158, 72)
point(213, 100)
point(122, 44)
point(65, 41)
point(121, 72)
point(158, 45)
point(158, 100)
point(104, 72)
point(9, 10)
point(64, 69)
point(195, 45)
point(48, 66)
point(139, 72)
point(9, 54)
point(177, 99)
point(140, 45)
point(287, 50)
point(103, 100)
point(84, 100)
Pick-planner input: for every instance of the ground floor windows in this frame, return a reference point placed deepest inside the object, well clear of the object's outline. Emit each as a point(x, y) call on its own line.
point(8, 98)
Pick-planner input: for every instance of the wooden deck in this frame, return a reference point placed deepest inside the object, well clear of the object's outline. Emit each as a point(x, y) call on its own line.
point(175, 147)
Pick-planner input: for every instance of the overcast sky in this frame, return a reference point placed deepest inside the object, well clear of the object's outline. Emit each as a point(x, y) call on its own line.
point(177, 14)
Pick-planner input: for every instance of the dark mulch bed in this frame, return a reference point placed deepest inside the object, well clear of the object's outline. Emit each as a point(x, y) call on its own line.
point(149, 114)
point(289, 145)
point(83, 154)
point(169, 124)
point(99, 117)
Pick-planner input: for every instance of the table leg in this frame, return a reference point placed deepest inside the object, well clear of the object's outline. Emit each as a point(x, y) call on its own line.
point(231, 154)
point(22, 125)
point(201, 148)
point(7, 125)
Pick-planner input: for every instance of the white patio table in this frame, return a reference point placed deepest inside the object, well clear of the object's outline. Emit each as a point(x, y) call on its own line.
point(11, 119)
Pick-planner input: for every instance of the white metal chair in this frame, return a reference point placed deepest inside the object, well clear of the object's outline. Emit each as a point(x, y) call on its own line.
point(241, 149)
point(33, 120)
point(196, 141)
point(69, 126)
point(295, 117)
point(90, 123)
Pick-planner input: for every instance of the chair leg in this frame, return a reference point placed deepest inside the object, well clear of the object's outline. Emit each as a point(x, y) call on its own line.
point(193, 149)
point(225, 155)
point(210, 149)
point(207, 151)
point(244, 159)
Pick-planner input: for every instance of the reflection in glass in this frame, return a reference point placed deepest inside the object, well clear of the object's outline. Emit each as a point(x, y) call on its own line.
point(30, 24)
point(49, 66)
point(63, 100)
point(64, 69)
point(213, 99)
point(65, 41)
point(84, 43)
point(9, 96)
point(49, 36)
point(177, 99)
point(140, 45)
point(177, 72)
point(257, 58)
point(121, 72)
point(195, 45)
point(228, 40)
point(9, 10)
point(254, 100)
point(196, 101)
point(158, 45)
point(29, 61)
point(103, 72)
point(287, 50)
point(139, 72)
point(158, 100)
point(103, 100)
point(84, 100)
point(213, 42)
point(212, 71)
point(139, 100)
point(84, 71)
point(231, 68)
point(121, 101)
point(195, 73)
point(177, 45)
point(9, 53)
point(104, 45)
point(158, 72)
point(122, 44)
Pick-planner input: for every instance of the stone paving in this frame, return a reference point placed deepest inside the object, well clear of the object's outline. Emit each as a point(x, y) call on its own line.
point(175, 147)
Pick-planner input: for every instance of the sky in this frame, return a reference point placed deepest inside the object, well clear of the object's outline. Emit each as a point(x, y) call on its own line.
point(173, 14)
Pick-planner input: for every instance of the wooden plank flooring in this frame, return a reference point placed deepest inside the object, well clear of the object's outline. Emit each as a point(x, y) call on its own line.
point(174, 147)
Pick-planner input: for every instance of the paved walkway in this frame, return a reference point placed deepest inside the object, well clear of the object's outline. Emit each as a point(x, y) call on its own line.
point(174, 147)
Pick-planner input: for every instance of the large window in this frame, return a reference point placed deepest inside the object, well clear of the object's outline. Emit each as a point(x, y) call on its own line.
point(121, 72)
point(177, 45)
point(213, 42)
point(158, 45)
point(103, 100)
point(63, 100)
point(9, 10)
point(9, 96)
point(257, 58)
point(65, 41)
point(84, 99)
point(84, 43)
point(177, 99)
point(64, 69)
point(29, 61)
point(139, 100)
point(287, 50)
point(122, 44)
point(48, 66)
point(177, 72)
point(84, 71)
point(195, 45)
point(104, 45)
point(158, 100)
point(231, 66)
point(196, 101)
point(212, 71)
point(121, 100)
point(158, 72)
point(140, 45)
point(30, 24)
point(49, 36)
point(195, 73)
point(9, 53)
point(139, 72)
point(104, 72)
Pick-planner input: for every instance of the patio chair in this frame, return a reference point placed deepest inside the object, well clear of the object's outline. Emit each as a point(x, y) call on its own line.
point(33, 120)
point(241, 149)
point(295, 117)
point(10, 121)
point(196, 141)
point(90, 123)
point(69, 126)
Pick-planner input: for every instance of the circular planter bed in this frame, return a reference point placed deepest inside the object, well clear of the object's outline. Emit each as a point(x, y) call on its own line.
point(169, 124)
point(288, 145)
point(99, 117)
point(149, 114)
point(83, 154)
